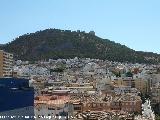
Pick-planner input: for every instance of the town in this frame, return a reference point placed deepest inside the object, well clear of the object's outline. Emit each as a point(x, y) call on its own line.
point(82, 88)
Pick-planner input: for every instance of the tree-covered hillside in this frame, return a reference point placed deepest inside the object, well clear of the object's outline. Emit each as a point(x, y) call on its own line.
point(55, 43)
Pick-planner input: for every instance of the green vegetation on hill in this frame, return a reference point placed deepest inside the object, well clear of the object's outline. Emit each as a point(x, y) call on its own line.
point(55, 43)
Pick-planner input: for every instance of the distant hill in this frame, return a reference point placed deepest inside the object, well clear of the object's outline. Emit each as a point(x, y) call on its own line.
point(1, 45)
point(55, 43)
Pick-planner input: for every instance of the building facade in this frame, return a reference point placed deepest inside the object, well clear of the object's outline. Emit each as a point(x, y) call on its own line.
point(51, 107)
point(6, 64)
point(140, 84)
point(155, 94)
point(16, 99)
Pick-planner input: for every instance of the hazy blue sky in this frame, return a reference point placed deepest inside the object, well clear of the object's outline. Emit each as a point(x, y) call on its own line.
point(134, 23)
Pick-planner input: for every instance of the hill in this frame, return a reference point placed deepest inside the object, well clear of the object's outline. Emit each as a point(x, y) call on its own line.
point(1, 45)
point(55, 43)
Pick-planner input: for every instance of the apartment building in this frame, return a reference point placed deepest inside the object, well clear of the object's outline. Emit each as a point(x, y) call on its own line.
point(6, 64)
point(155, 94)
point(131, 103)
point(127, 103)
point(138, 83)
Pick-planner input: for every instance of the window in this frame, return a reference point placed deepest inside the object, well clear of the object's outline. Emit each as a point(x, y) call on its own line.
point(89, 105)
point(77, 108)
point(104, 105)
point(51, 108)
point(101, 105)
point(94, 105)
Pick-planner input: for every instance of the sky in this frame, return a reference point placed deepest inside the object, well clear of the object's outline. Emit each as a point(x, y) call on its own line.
point(134, 23)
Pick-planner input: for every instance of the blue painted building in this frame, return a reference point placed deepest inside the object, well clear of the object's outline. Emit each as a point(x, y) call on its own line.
point(16, 99)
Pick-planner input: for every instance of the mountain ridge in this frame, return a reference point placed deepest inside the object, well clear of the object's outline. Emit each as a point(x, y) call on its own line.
point(56, 43)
